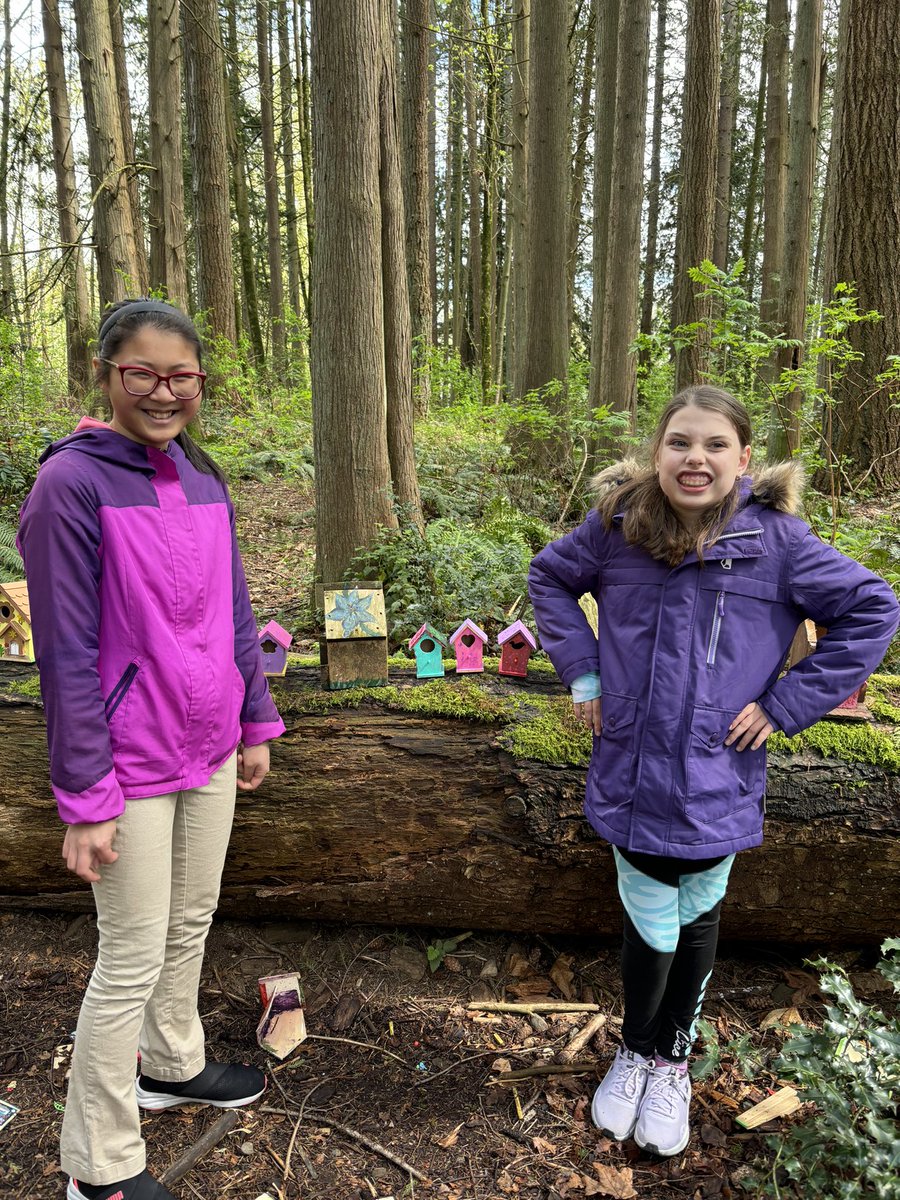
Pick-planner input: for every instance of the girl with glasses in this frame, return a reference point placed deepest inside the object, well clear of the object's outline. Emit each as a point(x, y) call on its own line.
point(157, 709)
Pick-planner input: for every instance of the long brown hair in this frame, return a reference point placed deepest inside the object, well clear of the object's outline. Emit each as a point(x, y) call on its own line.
point(649, 520)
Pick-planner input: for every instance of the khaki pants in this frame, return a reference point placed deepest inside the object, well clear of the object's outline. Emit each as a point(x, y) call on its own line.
point(154, 909)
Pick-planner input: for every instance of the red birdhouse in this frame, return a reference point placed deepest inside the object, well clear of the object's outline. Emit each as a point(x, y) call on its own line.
point(517, 642)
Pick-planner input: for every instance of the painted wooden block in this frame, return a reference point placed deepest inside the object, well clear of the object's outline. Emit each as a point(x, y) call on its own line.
point(468, 642)
point(354, 662)
point(428, 646)
point(806, 639)
point(354, 612)
point(274, 642)
point(15, 622)
point(517, 643)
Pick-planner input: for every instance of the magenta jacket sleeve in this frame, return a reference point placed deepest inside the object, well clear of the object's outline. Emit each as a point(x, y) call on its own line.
point(260, 721)
point(59, 538)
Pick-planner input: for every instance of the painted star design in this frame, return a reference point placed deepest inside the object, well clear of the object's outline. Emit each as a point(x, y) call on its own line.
point(354, 613)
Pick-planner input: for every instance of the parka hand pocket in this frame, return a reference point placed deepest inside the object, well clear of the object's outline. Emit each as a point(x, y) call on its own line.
point(719, 780)
point(614, 762)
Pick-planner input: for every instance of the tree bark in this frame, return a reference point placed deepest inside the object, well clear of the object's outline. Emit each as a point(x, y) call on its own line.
point(653, 187)
point(353, 482)
point(142, 282)
point(118, 269)
point(583, 125)
point(398, 356)
point(168, 236)
point(865, 234)
point(9, 305)
point(697, 193)
point(292, 240)
point(517, 199)
point(370, 815)
point(207, 122)
point(784, 430)
point(729, 94)
point(487, 317)
point(277, 337)
point(76, 301)
point(775, 157)
point(417, 46)
point(750, 236)
point(471, 342)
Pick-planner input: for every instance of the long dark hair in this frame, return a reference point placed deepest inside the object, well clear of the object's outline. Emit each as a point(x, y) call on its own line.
point(649, 520)
point(117, 325)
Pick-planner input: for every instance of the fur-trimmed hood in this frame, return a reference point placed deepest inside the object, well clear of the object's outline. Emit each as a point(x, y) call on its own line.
point(779, 486)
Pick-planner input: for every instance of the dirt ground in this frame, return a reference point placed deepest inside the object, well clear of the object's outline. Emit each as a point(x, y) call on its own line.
point(392, 1094)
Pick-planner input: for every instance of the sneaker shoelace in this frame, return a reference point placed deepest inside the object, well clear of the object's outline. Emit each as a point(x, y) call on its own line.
point(626, 1082)
point(665, 1093)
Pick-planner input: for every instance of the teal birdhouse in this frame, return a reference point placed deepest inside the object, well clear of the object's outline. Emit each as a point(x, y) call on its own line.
point(428, 646)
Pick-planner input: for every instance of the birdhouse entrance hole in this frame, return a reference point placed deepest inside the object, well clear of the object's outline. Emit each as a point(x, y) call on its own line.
point(427, 645)
point(5, 610)
point(468, 639)
point(517, 643)
point(268, 646)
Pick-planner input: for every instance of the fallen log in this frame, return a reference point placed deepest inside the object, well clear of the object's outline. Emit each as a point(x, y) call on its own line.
point(407, 817)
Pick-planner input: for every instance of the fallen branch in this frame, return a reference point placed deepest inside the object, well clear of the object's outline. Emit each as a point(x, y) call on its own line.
point(536, 1006)
point(546, 1069)
point(581, 1038)
point(203, 1145)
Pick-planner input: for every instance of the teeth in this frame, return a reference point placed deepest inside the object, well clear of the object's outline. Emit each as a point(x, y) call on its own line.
point(694, 480)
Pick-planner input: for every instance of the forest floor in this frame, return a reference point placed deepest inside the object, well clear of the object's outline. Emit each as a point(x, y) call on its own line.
point(397, 1074)
point(396, 1057)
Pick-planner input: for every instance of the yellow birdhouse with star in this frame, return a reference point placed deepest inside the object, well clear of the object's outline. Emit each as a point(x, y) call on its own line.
point(15, 622)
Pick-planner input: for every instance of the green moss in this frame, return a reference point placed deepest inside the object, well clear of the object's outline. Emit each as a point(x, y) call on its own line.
point(455, 698)
point(553, 735)
point(25, 687)
point(882, 691)
point(855, 743)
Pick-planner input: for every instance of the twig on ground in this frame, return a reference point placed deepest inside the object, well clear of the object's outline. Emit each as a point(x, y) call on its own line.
point(545, 1069)
point(194, 1153)
point(322, 1037)
point(535, 1006)
point(239, 1000)
point(574, 1047)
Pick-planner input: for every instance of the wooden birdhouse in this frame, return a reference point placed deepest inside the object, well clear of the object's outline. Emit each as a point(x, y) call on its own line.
point(428, 646)
point(517, 643)
point(806, 639)
point(15, 622)
point(353, 652)
point(468, 642)
point(274, 642)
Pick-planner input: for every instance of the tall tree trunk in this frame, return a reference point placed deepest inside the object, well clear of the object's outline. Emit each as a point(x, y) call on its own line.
point(471, 341)
point(417, 39)
point(607, 18)
point(729, 93)
point(304, 111)
point(547, 335)
point(238, 156)
point(784, 431)
point(490, 63)
point(207, 138)
point(347, 346)
point(697, 193)
point(273, 208)
point(76, 301)
point(864, 235)
point(9, 307)
point(749, 237)
point(456, 200)
point(285, 87)
point(398, 357)
point(582, 133)
point(118, 268)
point(517, 198)
point(653, 188)
point(618, 365)
point(142, 282)
point(168, 237)
point(776, 155)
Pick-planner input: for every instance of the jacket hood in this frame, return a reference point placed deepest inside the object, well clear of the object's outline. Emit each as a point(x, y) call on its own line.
point(98, 440)
point(779, 487)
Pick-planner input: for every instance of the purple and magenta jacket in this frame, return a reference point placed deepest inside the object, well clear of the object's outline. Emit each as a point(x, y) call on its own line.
point(681, 650)
point(144, 637)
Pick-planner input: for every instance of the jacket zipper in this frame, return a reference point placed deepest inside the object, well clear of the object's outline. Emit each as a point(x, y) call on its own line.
point(716, 630)
point(119, 692)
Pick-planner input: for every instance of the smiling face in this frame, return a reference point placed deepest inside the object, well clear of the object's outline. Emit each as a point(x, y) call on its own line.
point(698, 461)
point(159, 416)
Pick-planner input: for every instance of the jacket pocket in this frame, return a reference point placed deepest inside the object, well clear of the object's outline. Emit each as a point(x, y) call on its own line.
point(120, 691)
point(614, 765)
point(720, 780)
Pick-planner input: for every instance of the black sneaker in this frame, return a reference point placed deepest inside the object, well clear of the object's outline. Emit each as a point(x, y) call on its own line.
point(222, 1085)
point(138, 1187)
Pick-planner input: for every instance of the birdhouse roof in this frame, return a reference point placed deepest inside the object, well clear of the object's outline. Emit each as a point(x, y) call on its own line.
point(277, 634)
point(426, 630)
point(517, 627)
point(17, 594)
point(471, 627)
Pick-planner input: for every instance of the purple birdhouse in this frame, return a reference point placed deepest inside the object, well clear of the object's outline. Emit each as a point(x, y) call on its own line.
point(468, 642)
point(517, 643)
point(273, 643)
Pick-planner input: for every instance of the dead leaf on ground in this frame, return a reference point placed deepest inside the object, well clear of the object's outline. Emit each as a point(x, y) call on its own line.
point(562, 975)
point(781, 1016)
point(518, 966)
point(805, 986)
point(542, 1146)
point(712, 1135)
point(506, 1183)
point(615, 1181)
point(530, 988)
point(451, 1139)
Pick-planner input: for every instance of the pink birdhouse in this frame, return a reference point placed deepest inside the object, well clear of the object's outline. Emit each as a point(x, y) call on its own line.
point(274, 642)
point(468, 644)
point(517, 642)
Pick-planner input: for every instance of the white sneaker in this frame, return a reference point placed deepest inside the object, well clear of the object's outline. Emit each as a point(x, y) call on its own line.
point(662, 1123)
point(614, 1108)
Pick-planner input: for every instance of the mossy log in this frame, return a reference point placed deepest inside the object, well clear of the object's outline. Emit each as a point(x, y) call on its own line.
point(399, 816)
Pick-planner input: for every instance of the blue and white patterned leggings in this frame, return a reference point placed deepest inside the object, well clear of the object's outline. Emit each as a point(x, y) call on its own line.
point(671, 931)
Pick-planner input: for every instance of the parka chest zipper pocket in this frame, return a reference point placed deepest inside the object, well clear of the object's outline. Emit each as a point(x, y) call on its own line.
point(716, 630)
point(120, 691)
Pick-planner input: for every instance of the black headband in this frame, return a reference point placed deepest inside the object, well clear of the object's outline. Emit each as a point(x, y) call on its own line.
point(132, 310)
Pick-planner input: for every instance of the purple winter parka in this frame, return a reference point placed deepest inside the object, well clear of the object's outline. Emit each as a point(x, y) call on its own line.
point(147, 647)
point(681, 650)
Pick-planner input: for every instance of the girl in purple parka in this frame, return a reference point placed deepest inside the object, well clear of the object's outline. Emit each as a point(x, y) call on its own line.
point(702, 575)
point(157, 708)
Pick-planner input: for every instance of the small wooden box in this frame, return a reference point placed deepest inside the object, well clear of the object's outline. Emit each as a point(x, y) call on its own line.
point(354, 650)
